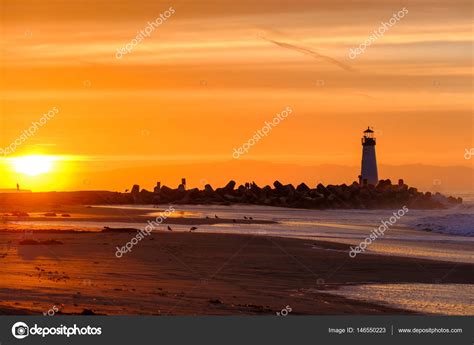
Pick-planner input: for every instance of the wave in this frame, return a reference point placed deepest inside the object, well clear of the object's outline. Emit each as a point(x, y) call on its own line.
point(463, 207)
point(460, 224)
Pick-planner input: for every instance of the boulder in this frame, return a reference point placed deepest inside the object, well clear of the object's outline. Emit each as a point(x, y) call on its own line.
point(166, 190)
point(278, 185)
point(229, 187)
point(135, 189)
point(208, 189)
point(322, 190)
point(289, 188)
point(241, 189)
point(255, 188)
point(303, 188)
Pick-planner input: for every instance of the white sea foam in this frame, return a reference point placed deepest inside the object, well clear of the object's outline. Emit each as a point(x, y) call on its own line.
point(461, 224)
point(457, 220)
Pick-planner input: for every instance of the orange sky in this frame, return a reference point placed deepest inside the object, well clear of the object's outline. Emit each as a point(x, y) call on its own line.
point(206, 80)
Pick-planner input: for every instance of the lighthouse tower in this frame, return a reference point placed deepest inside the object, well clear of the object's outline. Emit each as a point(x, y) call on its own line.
point(368, 174)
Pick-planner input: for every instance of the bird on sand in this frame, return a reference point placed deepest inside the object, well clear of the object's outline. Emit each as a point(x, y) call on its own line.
point(216, 216)
point(169, 228)
point(192, 229)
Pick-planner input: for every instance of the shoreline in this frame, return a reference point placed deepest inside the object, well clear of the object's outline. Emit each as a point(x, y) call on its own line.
point(401, 240)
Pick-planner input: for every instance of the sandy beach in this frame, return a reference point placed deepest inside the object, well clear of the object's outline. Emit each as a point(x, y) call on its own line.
point(47, 265)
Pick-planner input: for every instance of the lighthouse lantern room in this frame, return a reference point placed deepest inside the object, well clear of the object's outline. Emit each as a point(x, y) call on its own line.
point(369, 174)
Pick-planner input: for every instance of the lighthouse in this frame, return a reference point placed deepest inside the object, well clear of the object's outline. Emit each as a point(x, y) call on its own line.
point(368, 174)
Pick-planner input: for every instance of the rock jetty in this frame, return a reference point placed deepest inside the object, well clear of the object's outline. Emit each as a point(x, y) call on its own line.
point(384, 195)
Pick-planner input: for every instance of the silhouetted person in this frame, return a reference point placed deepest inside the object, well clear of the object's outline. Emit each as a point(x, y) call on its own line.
point(17, 187)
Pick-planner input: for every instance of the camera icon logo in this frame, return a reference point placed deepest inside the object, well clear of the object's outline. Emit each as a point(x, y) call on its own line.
point(20, 330)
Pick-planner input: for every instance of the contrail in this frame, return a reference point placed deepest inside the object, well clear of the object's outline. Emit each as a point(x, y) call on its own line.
point(310, 53)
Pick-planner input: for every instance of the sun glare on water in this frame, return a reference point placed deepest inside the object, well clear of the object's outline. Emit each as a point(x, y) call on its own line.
point(33, 165)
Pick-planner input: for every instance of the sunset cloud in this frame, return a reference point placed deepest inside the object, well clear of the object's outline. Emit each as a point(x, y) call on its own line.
point(202, 80)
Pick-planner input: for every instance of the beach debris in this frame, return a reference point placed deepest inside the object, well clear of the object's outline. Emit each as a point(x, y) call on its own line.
point(48, 242)
point(169, 228)
point(192, 229)
point(65, 215)
point(126, 230)
point(259, 308)
point(88, 312)
point(45, 242)
point(215, 301)
point(50, 214)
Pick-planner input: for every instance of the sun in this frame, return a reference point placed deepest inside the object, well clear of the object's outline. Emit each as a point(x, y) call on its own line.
point(33, 165)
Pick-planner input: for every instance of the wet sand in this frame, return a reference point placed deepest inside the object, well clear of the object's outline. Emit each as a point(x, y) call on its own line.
point(170, 273)
point(118, 215)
